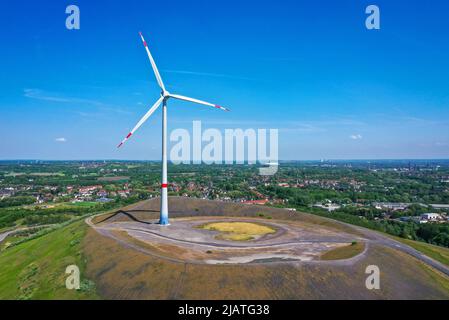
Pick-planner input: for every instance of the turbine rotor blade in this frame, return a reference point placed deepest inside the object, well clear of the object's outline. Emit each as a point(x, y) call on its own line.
point(141, 121)
point(153, 64)
point(179, 97)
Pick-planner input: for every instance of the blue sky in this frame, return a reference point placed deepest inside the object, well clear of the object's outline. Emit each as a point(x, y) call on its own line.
point(311, 69)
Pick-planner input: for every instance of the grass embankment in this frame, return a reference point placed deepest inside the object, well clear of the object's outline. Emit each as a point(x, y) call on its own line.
point(345, 252)
point(35, 269)
point(438, 253)
point(238, 231)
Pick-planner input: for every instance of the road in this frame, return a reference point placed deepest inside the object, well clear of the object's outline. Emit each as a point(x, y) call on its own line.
point(376, 237)
point(288, 243)
point(391, 243)
point(4, 235)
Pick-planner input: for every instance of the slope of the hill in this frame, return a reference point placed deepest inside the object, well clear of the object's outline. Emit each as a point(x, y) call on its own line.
point(121, 272)
point(36, 269)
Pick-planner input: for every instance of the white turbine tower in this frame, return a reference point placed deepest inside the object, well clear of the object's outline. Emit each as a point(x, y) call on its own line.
point(165, 95)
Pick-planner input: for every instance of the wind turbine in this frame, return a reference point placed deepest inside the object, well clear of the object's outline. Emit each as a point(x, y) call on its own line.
point(165, 96)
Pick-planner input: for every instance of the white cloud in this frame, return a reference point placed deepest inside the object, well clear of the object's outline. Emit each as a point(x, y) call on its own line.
point(62, 139)
point(356, 136)
point(206, 74)
point(38, 94)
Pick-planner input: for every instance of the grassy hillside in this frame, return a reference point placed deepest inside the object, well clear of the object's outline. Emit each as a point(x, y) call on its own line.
point(36, 269)
point(438, 253)
point(345, 252)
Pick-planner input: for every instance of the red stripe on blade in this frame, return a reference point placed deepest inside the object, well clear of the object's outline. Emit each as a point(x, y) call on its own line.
point(145, 43)
point(129, 135)
point(164, 185)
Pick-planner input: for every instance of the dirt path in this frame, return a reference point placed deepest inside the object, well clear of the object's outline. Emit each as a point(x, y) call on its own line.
point(4, 235)
point(372, 237)
point(288, 246)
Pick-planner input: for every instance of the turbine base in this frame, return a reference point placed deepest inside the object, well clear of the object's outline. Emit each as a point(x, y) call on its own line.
point(163, 221)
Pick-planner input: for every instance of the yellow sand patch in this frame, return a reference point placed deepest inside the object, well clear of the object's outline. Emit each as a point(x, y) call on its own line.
point(238, 231)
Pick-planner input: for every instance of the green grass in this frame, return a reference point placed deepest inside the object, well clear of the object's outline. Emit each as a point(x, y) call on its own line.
point(60, 205)
point(345, 252)
point(36, 174)
point(114, 178)
point(438, 253)
point(6, 229)
point(20, 236)
point(84, 204)
point(35, 269)
point(10, 240)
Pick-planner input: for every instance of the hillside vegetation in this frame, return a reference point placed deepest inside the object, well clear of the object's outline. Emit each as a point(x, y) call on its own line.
point(435, 252)
point(36, 269)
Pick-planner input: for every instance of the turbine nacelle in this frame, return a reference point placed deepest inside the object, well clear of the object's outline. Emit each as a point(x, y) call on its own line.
point(165, 94)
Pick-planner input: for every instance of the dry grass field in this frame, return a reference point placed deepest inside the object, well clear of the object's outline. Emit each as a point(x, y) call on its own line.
point(238, 231)
point(123, 273)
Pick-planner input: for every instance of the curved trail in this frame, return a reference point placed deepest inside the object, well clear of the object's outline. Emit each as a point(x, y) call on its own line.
point(107, 232)
point(372, 237)
point(378, 238)
point(391, 243)
point(5, 234)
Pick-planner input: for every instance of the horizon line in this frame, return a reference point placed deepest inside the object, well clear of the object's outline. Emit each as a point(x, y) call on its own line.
point(285, 160)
